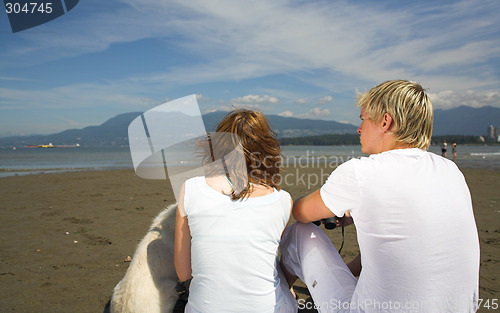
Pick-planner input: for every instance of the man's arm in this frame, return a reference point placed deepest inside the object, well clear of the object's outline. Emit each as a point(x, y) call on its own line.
point(311, 208)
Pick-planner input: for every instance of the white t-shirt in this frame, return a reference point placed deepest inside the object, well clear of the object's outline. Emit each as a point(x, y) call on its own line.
point(234, 249)
point(416, 231)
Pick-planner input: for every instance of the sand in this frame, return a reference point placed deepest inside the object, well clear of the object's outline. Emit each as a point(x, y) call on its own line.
point(64, 237)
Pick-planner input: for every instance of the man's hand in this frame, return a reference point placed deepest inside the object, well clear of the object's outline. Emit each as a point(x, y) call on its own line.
point(347, 220)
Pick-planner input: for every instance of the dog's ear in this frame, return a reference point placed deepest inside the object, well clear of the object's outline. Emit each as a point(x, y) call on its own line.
point(160, 256)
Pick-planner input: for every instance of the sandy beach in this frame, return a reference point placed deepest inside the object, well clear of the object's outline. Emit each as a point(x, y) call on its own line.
point(64, 237)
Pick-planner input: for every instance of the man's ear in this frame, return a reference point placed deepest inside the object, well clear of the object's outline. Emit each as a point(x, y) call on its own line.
point(386, 122)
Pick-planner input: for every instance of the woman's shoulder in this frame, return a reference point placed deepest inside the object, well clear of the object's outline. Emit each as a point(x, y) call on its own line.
point(284, 195)
point(194, 180)
point(283, 192)
point(194, 183)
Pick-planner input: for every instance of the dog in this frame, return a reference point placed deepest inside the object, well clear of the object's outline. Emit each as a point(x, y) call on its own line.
point(149, 285)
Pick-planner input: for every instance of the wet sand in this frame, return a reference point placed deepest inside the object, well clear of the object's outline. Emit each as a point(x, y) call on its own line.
point(64, 237)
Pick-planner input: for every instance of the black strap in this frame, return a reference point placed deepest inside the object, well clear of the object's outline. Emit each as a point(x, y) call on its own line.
point(342, 223)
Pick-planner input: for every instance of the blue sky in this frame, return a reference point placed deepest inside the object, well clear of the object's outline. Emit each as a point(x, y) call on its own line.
point(293, 58)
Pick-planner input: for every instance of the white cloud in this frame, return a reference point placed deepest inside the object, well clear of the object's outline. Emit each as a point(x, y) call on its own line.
point(75, 96)
point(250, 102)
point(225, 108)
point(234, 106)
point(14, 78)
point(390, 43)
point(324, 100)
point(314, 113)
point(397, 42)
point(450, 48)
point(200, 97)
point(450, 98)
point(317, 113)
point(286, 113)
point(255, 99)
point(345, 122)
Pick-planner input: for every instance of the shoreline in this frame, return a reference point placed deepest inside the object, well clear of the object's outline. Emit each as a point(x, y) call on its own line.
point(65, 236)
point(5, 173)
point(37, 161)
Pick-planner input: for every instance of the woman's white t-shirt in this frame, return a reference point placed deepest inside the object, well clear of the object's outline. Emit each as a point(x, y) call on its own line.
point(234, 249)
point(416, 231)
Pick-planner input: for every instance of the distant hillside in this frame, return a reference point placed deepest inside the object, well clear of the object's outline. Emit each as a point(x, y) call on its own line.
point(465, 120)
point(322, 140)
point(114, 132)
point(290, 126)
point(353, 139)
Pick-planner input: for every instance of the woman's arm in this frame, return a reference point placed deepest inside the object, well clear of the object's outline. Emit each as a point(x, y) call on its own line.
point(291, 208)
point(182, 242)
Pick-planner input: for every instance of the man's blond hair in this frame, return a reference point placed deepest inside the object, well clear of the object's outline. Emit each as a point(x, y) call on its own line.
point(408, 105)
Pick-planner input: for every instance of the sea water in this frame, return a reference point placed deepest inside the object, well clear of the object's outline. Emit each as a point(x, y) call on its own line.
point(24, 161)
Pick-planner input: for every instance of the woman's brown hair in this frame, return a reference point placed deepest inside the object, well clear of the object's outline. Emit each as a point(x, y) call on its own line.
point(258, 144)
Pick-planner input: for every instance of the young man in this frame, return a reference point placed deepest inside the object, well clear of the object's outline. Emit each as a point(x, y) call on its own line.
point(413, 215)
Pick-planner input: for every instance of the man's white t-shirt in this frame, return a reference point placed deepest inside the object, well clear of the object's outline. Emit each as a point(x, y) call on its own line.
point(416, 231)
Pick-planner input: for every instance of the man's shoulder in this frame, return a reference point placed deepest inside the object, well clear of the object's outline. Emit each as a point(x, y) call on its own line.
point(392, 158)
point(400, 154)
point(404, 158)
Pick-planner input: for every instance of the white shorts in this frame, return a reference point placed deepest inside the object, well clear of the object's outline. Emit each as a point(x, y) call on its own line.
point(308, 253)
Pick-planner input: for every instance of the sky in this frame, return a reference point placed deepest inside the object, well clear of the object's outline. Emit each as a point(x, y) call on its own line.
point(304, 59)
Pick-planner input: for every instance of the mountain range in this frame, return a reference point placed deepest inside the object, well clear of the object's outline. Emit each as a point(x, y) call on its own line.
point(114, 132)
point(464, 120)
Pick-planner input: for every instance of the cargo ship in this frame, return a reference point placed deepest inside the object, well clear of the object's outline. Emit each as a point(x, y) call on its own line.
point(50, 145)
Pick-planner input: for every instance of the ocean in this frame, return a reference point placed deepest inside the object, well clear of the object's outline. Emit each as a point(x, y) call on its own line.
point(27, 161)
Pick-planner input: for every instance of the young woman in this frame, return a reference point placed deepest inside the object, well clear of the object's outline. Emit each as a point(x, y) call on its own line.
point(229, 222)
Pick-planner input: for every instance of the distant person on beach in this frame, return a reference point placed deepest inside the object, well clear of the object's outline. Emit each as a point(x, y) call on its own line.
point(444, 148)
point(229, 223)
point(419, 248)
point(454, 147)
